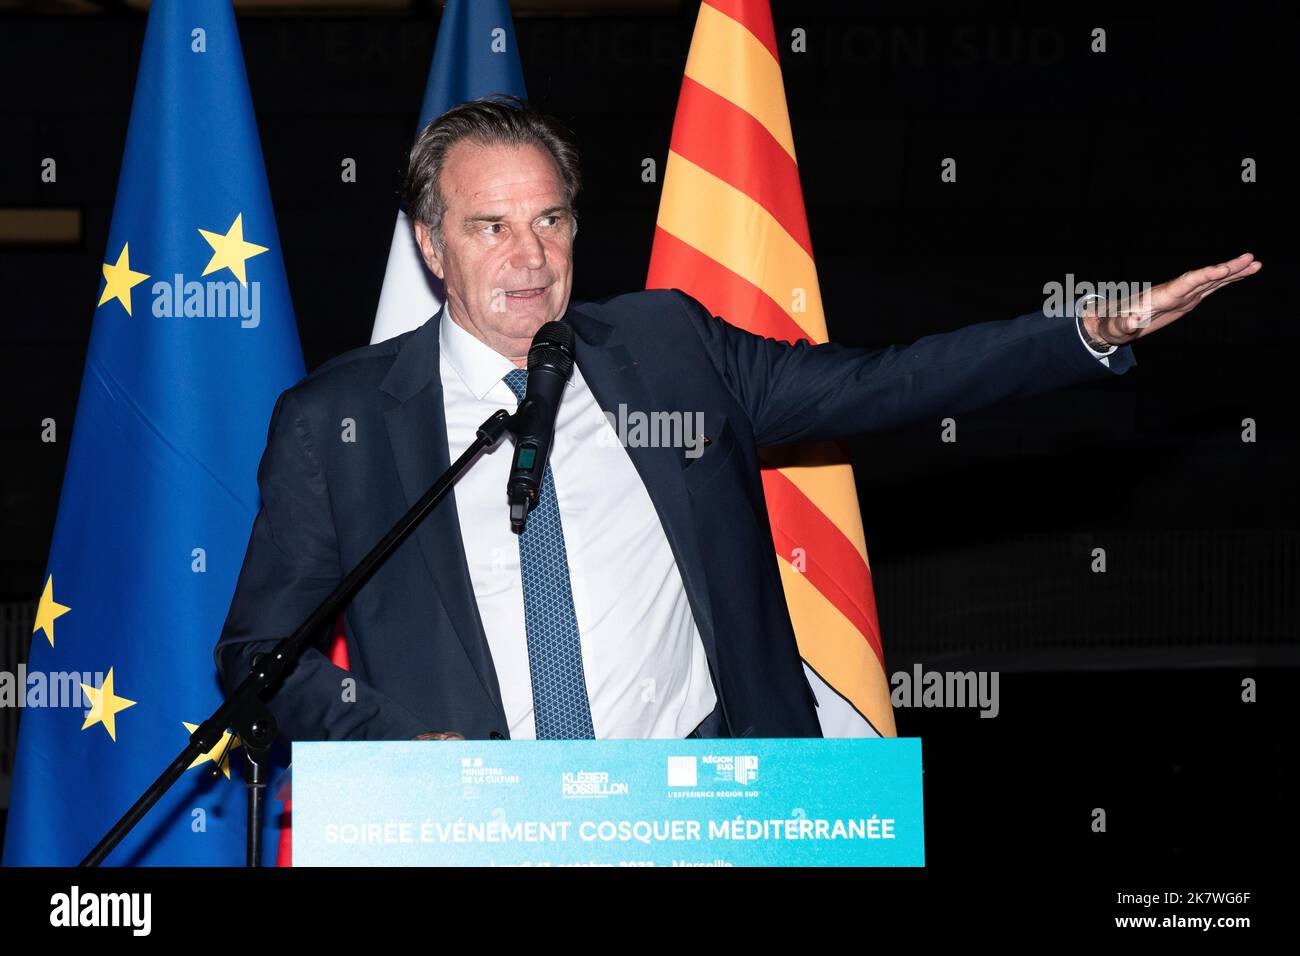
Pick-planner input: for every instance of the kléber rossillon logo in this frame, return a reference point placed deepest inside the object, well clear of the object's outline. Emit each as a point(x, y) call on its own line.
point(591, 783)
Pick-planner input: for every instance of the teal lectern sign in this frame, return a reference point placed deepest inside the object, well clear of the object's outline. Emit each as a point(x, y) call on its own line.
point(695, 802)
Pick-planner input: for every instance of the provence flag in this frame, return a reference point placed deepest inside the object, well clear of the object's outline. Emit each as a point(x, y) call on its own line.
point(193, 338)
point(475, 56)
point(732, 233)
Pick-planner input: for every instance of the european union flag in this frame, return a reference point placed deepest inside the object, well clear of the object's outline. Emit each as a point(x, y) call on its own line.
point(193, 339)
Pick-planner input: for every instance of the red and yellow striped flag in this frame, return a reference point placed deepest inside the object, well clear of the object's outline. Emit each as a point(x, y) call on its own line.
point(732, 232)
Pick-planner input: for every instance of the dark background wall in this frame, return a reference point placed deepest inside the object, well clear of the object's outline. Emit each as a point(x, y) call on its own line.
point(1117, 166)
point(1122, 166)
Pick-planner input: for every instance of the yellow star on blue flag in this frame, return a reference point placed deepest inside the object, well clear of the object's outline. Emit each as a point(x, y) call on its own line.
point(230, 251)
point(48, 611)
point(120, 279)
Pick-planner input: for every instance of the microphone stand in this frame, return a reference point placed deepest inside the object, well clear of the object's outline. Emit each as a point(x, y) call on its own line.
point(245, 710)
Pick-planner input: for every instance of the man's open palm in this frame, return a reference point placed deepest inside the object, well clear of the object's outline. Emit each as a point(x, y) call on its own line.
point(1141, 315)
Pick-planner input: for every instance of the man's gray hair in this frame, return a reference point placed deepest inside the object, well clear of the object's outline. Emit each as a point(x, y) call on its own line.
point(494, 120)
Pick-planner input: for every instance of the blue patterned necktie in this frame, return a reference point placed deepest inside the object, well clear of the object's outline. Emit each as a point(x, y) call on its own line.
point(561, 710)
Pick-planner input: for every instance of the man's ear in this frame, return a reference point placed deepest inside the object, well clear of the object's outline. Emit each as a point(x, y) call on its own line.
point(428, 251)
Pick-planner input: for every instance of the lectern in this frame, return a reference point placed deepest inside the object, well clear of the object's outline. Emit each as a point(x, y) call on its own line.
point(695, 802)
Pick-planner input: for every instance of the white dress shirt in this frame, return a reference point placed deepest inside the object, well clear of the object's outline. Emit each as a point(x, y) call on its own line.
point(646, 671)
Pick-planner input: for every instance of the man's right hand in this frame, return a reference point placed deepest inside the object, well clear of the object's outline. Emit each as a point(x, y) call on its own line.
point(441, 735)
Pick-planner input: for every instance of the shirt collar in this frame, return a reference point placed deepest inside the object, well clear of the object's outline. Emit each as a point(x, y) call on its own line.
point(479, 366)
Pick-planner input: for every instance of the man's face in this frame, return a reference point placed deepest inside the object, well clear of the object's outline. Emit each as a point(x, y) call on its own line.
point(507, 258)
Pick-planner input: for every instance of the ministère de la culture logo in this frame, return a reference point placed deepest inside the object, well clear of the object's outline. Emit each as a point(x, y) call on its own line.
point(179, 297)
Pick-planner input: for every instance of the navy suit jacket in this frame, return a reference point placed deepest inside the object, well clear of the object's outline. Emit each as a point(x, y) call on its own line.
point(419, 659)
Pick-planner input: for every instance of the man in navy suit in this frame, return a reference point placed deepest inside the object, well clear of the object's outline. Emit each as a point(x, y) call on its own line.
point(644, 598)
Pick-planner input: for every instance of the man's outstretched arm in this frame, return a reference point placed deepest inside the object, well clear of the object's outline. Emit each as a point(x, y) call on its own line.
point(292, 564)
point(806, 392)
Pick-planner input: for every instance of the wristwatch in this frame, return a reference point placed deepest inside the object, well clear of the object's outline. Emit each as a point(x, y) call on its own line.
point(1097, 345)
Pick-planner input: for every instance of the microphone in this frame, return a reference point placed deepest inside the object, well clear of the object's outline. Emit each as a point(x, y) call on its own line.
point(550, 363)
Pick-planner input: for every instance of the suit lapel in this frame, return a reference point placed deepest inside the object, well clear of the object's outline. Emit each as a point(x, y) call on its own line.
point(417, 430)
point(614, 377)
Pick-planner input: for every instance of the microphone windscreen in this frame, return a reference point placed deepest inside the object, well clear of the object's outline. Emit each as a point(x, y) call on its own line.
point(552, 346)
